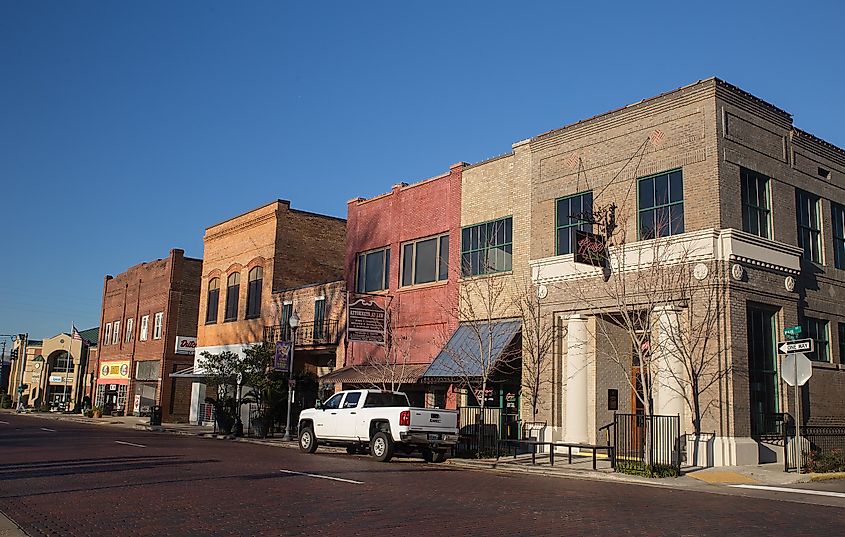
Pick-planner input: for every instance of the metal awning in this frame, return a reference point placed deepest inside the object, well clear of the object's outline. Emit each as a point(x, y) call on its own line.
point(471, 350)
point(372, 374)
point(187, 373)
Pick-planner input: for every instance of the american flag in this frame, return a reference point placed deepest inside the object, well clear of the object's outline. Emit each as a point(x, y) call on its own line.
point(74, 333)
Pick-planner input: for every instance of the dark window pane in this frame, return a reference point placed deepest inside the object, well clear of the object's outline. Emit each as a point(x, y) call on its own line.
point(563, 241)
point(474, 237)
point(561, 214)
point(407, 266)
point(360, 279)
point(661, 190)
point(466, 264)
point(465, 243)
point(211, 307)
point(587, 204)
point(475, 263)
point(484, 235)
point(676, 186)
point(443, 272)
point(508, 230)
point(508, 257)
point(374, 271)
point(425, 262)
point(677, 218)
point(646, 193)
point(647, 225)
point(661, 221)
point(385, 284)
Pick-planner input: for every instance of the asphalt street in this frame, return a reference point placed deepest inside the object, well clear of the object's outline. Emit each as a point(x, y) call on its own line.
point(72, 479)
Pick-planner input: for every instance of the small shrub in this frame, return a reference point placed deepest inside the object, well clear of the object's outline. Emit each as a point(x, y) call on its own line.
point(641, 469)
point(831, 461)
point(5, 401)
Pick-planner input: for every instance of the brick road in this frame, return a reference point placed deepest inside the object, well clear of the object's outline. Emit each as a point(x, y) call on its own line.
point(77, 480)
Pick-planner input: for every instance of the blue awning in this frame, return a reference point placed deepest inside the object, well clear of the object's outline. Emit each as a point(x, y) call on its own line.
point(471, 348)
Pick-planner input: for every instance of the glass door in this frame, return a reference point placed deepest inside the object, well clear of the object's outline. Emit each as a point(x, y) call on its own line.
point(762, 371)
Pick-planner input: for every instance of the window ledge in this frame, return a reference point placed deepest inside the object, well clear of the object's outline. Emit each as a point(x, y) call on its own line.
point(418, 286)
point(824, 365)
point(210, 322)
point(488, 275)
point(230, 320)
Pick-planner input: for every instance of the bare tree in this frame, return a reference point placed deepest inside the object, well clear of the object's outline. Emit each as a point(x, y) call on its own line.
point(386, 366)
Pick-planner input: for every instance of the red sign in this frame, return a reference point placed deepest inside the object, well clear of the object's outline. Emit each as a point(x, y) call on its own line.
point(590, 249)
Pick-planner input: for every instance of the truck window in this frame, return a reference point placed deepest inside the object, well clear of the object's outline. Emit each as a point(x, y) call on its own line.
point(383, 399)
point(334, 401)
point(351, 400)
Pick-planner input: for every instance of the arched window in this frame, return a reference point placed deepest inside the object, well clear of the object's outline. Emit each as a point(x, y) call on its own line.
point(253, 293)
point(233, 288)
point(213, 301)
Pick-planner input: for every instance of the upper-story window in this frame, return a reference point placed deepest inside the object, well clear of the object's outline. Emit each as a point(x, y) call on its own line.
point(253, 293)
point(487, 248)
point(233, 289)
point(819, 331)
point(64, 363)
point(213, 301)
point(115, 336)
point(319, 317)
point(838, 216)
point(129, 326)
point(661, 205)
point(107, 336)
point(425, 260)
point(373, 270)
point(157, 322)
point(809, 225)
point(756, 207)
point(144, 329)
point(572, 213)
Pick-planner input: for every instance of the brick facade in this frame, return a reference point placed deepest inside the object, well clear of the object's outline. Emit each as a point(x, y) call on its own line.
point(169, 287)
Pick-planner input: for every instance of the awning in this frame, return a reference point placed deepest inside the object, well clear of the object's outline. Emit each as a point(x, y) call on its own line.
point(471, 350)
point(187, 373)
point(373, 374)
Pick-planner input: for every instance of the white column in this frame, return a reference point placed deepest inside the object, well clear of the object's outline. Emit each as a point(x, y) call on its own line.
point(577, 338)
point(668, 362)
point(197, 395)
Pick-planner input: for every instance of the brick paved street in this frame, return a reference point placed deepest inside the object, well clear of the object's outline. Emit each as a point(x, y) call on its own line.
point(70, 479)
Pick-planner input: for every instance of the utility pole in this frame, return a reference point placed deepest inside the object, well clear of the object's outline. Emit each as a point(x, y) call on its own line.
point(23, 339)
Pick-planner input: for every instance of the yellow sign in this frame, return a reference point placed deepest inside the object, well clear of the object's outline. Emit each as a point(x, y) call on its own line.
point(114, 370)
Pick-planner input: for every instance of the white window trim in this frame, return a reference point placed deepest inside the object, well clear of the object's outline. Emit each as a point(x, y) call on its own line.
point(144, 331)
point(158, 321)
point(107, 337)
point(130, 325)
point(115, 334)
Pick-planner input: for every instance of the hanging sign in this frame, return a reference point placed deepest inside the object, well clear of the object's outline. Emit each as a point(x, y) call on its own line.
point(281, 359)
point(590, 249)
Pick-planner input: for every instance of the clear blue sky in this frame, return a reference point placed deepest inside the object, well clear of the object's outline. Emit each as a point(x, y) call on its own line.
point(126, 128)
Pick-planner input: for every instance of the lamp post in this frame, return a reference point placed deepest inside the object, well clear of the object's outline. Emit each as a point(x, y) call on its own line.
point(294, 324)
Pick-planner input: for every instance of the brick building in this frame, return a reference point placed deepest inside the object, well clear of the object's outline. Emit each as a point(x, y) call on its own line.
point(246, 258)
point(402, 252)
point(148, 329)
point(707, 181)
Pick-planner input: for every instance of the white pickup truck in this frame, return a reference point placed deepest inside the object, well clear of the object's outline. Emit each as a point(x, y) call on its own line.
point(381, 421)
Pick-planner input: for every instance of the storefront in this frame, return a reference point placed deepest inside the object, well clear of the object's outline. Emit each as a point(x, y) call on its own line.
point(112, 387)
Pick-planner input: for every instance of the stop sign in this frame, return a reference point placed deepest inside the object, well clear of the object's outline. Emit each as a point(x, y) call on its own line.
point(796, 369)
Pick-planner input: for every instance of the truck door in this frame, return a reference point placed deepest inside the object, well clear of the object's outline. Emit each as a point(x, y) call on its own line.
point(347, 416)
point(325, 423)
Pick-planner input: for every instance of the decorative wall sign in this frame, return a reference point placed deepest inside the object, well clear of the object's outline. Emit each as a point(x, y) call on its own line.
point(366, 322)
point(590, 249)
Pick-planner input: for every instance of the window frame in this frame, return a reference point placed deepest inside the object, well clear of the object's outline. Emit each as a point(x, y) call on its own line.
point(570, 227)
point(233, 294)
point(115, 333)
point(209, 318)
point(438, 261)
point(361, 282)
point(820, 344)
point(319, 317)
point(253, 292)
point(130, 325)
point(838, 226)
point(144, 330)
point(107, 335)
point(841, 334)
point(760, 213)
point(483, 251)
point(654, 207)
point(815, 210)
point(158, 322)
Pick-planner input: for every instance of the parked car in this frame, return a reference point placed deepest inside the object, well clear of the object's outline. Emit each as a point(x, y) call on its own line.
point(382, 422)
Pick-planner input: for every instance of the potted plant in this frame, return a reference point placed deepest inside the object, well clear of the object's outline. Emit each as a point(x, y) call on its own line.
point(96, 412)
point(225, 412)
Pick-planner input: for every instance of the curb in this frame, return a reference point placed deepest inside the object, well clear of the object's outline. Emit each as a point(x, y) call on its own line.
point(8, 528)
point(827, 477)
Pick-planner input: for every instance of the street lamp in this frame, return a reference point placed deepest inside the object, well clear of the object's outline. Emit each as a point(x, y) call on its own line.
point(294, 324)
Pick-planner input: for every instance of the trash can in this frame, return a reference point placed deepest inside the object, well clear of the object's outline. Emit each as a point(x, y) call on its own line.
point(155, 416)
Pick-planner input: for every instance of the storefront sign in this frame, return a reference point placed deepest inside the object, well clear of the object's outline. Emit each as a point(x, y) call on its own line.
point(590, 249)
point(56, 378)
point(366, 322)
point(114, 370)
point(185, 344)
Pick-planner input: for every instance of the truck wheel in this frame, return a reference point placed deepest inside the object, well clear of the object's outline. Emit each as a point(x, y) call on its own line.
point(439, 456)
point(307, 440)
point(381, 447)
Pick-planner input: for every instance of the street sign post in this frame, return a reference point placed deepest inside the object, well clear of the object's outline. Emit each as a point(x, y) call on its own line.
point(798, 345)
point(796, 370)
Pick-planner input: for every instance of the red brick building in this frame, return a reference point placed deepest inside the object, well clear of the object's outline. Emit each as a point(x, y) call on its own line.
point(403, 248)
point(148, 329)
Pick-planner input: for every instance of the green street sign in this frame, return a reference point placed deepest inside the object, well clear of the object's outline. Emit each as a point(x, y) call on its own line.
point(792, 331)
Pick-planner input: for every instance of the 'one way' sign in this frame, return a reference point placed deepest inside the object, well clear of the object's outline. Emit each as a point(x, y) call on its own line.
point(799, 345)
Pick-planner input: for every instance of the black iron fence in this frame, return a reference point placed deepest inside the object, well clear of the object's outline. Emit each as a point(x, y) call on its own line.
point(480, 431)
point(309, 334)
point(647, 445)
point(817, 442)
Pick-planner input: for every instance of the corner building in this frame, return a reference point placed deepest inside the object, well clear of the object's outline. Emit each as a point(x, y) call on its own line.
point(721, 176)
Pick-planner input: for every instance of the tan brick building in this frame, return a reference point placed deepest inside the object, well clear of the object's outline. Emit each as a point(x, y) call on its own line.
point(245, 259)
point(147, 331)
point(712, 180)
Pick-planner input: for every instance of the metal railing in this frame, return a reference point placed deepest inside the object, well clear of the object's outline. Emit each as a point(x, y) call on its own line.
point(816, 441)
point(309, 334)
point(650, 445)
point(480, 432)
point(771, 427)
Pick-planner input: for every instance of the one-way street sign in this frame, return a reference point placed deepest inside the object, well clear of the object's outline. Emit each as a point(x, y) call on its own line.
point(799, 345)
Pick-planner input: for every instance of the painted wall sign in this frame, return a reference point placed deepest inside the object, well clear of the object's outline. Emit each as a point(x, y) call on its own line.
point(185, 344)
point(114, 370)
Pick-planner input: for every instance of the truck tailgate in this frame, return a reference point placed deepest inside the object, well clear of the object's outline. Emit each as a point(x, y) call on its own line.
point(434, 420)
